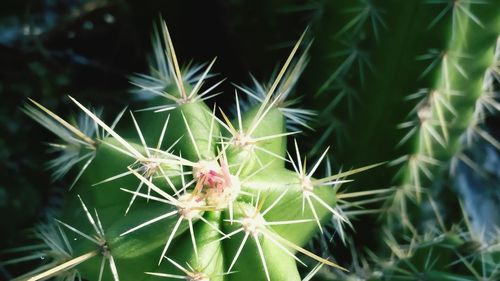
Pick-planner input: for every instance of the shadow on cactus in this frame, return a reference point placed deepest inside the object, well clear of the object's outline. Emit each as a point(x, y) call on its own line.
point(185, 192)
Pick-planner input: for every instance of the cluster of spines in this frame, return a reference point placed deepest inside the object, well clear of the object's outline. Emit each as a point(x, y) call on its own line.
point(443, 251)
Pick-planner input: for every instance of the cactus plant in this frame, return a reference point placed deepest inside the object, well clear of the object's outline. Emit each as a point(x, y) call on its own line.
point(191, 195)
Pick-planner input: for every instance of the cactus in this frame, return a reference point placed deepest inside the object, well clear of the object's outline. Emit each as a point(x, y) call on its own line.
point(190, 195)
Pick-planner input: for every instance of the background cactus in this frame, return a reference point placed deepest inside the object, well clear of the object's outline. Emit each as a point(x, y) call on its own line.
point(412, 82)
